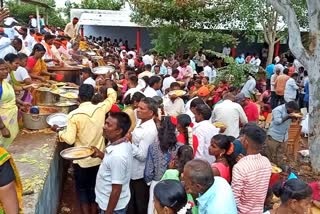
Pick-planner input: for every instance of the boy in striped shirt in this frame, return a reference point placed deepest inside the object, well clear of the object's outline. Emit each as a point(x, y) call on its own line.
point(251, 175)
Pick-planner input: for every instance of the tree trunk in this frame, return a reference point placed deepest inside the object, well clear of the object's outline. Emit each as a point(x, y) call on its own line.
point(270, 53)
point(311, 60)
point(314, 121)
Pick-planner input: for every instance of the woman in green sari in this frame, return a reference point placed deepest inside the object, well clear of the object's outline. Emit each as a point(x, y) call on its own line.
point(8, 107)
point(18, 76)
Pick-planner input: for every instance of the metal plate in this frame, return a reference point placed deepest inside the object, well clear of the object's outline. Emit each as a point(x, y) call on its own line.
point(276, 170)
point(58, 119)
point(91, 53)
point(76, 153)
point(103, 69)
point(70, 95)
point(69, 87)
point(65, 104)
point(178, 93)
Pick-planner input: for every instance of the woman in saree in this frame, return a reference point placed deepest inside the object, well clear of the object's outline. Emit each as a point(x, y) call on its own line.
point(8, 107)
point(10, 183)
point(19, 79)
point(36, 66)
point(18, 75)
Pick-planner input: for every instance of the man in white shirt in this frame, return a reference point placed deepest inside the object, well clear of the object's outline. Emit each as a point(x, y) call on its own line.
point(154, 86)
point(204, 130)
point(168, 80)
point(249, 87)
point(147, 59)
point(143, 136)
point(290, 91)
point(86, 77)
point(27, 39)
point(71, 28)
point(173, 105)
point(230, 114)
point(132, 85)
point(209, 72)
point(147, 72)
point(33, 21)
point(274, 97)
point(163, 70)
point(133, 53)
point(297, 65)
point(278, 66)
point(6, 47)
point(192, 108)
point(256, 63)
point(112, 184)
point(226, 51)
point(130, 61)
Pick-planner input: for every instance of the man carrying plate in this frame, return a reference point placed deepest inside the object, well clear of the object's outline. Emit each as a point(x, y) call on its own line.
point(112, 185)
point(84, 129)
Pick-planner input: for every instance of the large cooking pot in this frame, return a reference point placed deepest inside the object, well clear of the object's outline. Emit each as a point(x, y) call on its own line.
point(70, 73)
point(38, 121)
point(45, 97)
point(66, 106)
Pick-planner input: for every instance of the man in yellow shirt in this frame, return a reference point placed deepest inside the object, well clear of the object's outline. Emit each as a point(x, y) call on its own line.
point(84, 128)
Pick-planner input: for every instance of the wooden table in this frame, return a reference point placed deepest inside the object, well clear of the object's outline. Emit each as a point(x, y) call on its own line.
point(70, 73)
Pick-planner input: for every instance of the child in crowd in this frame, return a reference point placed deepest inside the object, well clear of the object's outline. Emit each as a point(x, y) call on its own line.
point(176, 166)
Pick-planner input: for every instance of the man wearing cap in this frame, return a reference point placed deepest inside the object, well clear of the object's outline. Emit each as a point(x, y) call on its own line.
point(71, 28)
point(249, 107)
point(230, 114)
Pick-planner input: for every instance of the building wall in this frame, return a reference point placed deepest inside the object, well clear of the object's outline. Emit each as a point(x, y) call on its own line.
point(125, 33)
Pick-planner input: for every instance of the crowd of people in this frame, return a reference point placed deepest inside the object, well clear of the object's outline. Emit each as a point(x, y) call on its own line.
point(174, 139)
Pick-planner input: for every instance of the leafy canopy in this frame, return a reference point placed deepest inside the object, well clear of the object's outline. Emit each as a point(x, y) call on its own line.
point(180, 25)
point(22, 12)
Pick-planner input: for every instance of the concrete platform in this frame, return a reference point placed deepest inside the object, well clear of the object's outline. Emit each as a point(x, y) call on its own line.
point(41, 169)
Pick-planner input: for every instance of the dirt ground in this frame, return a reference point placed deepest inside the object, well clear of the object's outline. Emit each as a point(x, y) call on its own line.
point(302, 167)
point(69, 204)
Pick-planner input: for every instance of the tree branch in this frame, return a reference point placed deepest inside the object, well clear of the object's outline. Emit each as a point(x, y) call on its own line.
point(265, 33)
point(275, 23)
point(295, 42)
point(281, 37)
